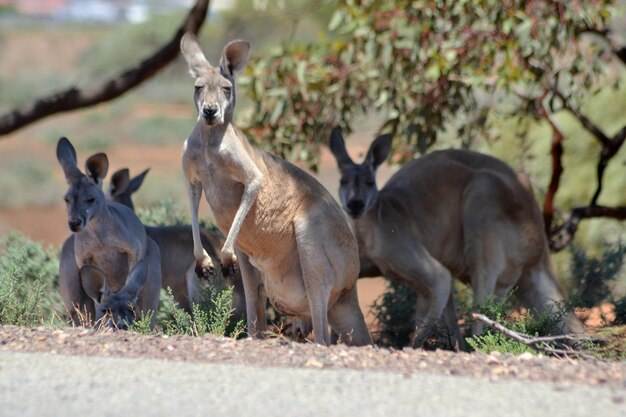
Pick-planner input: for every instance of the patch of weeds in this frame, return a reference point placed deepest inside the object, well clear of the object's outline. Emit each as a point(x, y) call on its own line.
point(144, 324)
point(212, 314)
point(543, 324)
point(493, 341)
point(38, 267)
point(19, 299)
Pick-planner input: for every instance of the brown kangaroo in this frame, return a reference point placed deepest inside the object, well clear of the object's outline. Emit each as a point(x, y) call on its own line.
point(447, 214)
point(291, 239)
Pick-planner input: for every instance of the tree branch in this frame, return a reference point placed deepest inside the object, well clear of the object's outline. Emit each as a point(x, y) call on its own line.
point(565, 233)
point(540, 344)
point(75, 98)
point(556, 152)
point(587, 124)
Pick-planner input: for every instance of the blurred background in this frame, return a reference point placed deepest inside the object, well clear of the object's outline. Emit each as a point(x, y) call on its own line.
point(50, 45)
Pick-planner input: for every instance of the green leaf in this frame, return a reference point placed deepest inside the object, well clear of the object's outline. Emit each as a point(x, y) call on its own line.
point(336, 19)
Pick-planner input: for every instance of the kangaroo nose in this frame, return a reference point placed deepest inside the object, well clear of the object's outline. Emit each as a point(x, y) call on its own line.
point(355, 207)
point(209, 111)
point(74, 224)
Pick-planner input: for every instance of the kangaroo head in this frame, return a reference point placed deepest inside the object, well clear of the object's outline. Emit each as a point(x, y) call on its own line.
point(214, 86)
point(122, 187)
point(84, 198)
point(357, 189)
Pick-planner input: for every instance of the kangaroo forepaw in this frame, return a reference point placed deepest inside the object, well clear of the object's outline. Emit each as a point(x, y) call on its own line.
point(205, 270)
point(229, 263)
point(229, 270)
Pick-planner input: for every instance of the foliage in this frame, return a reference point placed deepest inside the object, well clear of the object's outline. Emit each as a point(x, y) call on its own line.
point(394, 311)
point(37, 269)
point(424, 65)
point(213, 313)
point(143, 324)
point(592, 277)
point(543, 324)
point(19, 299)
point(620, 311)
point(167, 213)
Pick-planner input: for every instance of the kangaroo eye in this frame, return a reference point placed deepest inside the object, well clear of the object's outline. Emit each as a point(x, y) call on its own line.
point(67, 199)
point(197, 88)
point(343, 181)
point(91, 200)
point(227, 90)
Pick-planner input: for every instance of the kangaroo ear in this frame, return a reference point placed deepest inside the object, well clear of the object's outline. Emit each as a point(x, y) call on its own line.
point(66, 154)
point(379, 150)
point(191, 50)
point(119, 182)
point(136, 182)
point(234, 57)
point(338, 147)
point(96, 167)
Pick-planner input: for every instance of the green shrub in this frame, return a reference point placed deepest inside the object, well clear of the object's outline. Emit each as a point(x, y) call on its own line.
point(498, 310)
point(620, 311)
point(19, 299)
point(593, 276)
point(143, 325)
point(168, 213)
point(37, 268)
point(213, 314)
point(394, 311)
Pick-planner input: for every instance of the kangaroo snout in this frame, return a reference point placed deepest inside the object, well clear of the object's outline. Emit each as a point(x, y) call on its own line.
point(355, 207)
point(75, 224)
point(210, 111)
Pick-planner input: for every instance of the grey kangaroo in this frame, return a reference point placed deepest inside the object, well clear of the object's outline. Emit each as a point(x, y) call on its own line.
point(176, 246)
point(289, 237)
point(449, 213)
point(108, 265)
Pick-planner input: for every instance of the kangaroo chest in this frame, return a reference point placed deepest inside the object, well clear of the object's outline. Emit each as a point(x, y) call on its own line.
point(268, 225)
point(100, 254)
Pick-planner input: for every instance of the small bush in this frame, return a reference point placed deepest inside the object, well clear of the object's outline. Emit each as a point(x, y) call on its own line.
point(168, 213)
point(19, 299)
point(37, 268)
point(143, 325)
point(498, 310)
point(620, 311)
point(394, 311)
point(212, 314)
point(593, 276)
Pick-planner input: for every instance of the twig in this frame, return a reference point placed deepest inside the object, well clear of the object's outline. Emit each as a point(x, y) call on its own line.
point(540, 344)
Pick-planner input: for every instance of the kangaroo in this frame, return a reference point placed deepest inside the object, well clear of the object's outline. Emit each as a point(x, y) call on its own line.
point(176, 246)
point(449, 213)
point(108, 265)
point(288, 236)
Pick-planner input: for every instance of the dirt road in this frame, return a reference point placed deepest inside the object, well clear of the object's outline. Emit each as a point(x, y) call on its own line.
point(41, 384)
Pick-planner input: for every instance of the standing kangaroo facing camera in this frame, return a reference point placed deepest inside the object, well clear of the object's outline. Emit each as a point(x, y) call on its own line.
point(290, 238)
point(108, 265)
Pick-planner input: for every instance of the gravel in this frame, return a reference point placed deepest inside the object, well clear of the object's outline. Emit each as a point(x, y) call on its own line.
point(281, 352)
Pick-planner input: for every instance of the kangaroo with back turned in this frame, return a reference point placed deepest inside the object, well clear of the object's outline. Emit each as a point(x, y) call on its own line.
point(109, 265)
point(287, 234)
point(447, 214)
